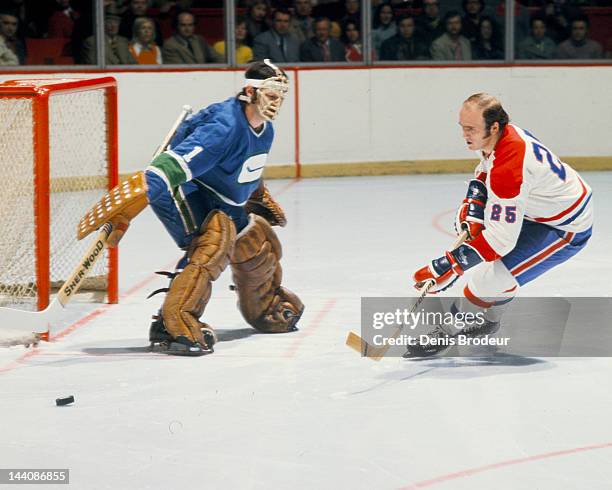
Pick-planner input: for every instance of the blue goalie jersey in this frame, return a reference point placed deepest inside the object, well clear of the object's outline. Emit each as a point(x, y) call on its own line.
point(215, 157)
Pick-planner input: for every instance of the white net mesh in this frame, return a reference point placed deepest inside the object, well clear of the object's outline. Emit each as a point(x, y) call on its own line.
point(78, 157)
point(78, 154)
point(17, 242)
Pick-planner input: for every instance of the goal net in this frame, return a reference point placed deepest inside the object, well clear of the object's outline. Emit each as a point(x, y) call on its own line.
point(58, 150)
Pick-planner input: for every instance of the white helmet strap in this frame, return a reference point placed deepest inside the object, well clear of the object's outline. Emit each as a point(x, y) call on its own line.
point(270, 92)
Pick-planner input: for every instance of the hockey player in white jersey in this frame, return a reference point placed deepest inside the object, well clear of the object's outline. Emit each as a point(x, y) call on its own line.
point(525, 212)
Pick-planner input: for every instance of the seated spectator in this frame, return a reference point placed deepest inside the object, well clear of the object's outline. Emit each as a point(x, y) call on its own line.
point(470, 26)
point(117, 51)
point(7, 57)
point(488, 45)
point(15, 52)
point(185, 47)
point(429, 23)
point(61, 23)
point(244, 53)
point(277, 43)
point(451, 46)
point(352, 42)
point(33, 15)
point(537, 46)
point(84, 27)
point(322, 47)
point(579, 46)
point(352, 12)
point(137, 9)
point(404, 46)
point(384, 25)
point(256, 20)
point(335, 31)
point(142, 47)
point(302, 20)
point(557, 15)
point(166, 6)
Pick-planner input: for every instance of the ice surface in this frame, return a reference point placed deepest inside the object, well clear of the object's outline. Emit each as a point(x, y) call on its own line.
point(301, 410)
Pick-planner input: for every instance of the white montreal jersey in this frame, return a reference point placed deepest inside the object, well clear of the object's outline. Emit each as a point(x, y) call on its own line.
point(525, 180)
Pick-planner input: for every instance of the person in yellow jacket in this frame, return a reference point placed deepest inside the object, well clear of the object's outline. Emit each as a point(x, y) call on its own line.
point(244, 53)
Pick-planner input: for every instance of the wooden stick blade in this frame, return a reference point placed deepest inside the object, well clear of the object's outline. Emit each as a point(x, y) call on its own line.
point(30, 321)
point(356, 343)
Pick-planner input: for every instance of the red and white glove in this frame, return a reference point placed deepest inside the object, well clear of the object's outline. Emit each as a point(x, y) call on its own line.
point(470, 215)
point(444, 271)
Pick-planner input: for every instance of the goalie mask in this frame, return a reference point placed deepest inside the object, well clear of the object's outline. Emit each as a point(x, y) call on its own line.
point(269, 91)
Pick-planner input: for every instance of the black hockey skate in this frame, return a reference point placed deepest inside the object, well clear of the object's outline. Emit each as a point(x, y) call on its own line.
point(441, 341)
point(163, 342)
point(438, 343)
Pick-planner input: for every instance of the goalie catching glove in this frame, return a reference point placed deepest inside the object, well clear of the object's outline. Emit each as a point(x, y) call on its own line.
point(263, 204)
point(124, 202)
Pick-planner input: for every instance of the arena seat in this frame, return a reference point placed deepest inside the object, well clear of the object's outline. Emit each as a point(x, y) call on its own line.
point(48, 52)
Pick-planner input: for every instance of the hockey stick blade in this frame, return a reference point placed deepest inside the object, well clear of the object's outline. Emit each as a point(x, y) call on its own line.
point(40, 322)
point(358, 344)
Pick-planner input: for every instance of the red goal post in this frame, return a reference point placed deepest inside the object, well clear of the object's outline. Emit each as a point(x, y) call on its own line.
point(59, 154)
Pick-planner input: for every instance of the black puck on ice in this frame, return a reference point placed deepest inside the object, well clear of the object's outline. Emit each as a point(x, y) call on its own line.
point(60, 402)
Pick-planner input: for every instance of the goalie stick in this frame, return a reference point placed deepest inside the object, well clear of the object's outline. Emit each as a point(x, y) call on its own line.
point(34, 326)
point(357, 343)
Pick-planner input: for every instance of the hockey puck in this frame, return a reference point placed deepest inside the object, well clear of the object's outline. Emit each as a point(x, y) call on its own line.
point(60, 402)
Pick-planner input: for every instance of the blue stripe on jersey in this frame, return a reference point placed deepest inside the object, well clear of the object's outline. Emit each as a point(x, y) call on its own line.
point(567, 222)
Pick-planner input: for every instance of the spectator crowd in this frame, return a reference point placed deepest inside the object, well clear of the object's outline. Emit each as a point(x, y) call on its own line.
point(293, 31)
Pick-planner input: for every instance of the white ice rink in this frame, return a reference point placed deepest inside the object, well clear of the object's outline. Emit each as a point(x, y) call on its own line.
point(301, 410)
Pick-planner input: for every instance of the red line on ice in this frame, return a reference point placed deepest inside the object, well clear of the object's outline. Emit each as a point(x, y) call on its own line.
point(502, 464)
point(436, 222)
point(102, 309)
point(314, 324)
point(78, 324)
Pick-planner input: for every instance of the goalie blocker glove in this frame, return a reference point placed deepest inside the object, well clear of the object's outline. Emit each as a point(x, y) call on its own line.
point(119, 206)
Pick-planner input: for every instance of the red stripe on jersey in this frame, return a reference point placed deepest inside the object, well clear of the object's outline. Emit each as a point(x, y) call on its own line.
point(510, 290)
point(568, 210)
point(507, 172)
point(475, 300)
point(485, 250)
point(566, 240)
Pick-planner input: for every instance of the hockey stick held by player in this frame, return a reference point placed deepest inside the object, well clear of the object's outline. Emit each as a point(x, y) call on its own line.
point(208, 192)
point(526, 212)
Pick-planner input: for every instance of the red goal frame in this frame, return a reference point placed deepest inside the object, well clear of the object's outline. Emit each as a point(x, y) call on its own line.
point(40, 90)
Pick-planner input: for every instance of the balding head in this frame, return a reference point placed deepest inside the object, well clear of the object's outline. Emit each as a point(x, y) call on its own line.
point(491, 109)
point(483, 120)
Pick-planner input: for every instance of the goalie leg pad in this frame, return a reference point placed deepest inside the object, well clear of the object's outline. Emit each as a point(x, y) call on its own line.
point(257, 274)
point(208, 255)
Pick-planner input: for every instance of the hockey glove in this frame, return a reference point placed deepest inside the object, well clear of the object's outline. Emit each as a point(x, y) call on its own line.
point(444, 271)
point(119, 206)
point(263, 204)
point(470, 215)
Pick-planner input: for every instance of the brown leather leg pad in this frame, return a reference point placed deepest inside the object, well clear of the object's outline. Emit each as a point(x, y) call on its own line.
point(209, 254)
point(257, 274)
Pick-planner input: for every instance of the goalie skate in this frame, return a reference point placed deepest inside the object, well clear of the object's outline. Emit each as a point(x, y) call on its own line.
point(163, 342)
